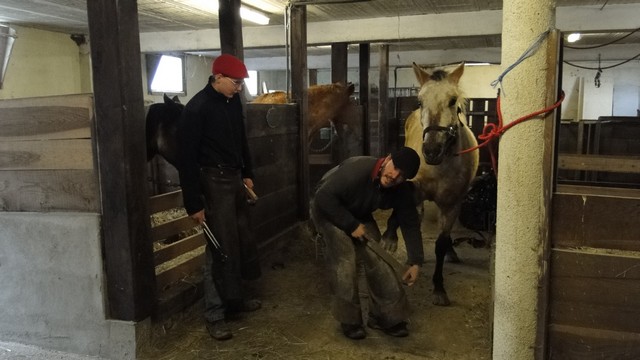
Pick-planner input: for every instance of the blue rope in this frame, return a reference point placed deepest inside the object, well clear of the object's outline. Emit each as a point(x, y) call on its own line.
point(529, 52)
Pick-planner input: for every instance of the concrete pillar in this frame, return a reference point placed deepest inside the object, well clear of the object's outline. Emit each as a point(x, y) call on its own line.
point(521, 216)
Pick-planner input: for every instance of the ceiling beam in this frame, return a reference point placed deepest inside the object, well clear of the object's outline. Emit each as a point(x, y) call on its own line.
point(391, 29)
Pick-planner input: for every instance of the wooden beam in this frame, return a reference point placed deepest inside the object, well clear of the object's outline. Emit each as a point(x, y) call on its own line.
point(339, 62)
point(119, 109)
point(383, 101)
point(299, 93)
point(550, 128)
point(230, 28)
point(363, 92)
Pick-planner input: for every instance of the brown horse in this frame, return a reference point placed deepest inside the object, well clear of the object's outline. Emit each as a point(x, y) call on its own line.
point(438, 132)
point(326, 103)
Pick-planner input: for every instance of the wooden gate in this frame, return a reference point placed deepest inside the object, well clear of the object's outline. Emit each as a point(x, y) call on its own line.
point(594, 297)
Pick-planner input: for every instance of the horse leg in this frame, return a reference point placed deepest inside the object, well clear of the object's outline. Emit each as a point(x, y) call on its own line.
point(439, 294)
point(448, 218)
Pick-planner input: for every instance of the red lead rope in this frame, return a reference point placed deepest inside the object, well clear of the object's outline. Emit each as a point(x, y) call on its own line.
point(492, 131)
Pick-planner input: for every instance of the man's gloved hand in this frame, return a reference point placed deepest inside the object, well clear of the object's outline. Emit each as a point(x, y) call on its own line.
point(389, 244)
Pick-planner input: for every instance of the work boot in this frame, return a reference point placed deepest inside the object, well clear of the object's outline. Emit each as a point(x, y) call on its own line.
point(219, 330)
point(250, 305)
point(353, 331)
point(235, 308)
point(397, 330)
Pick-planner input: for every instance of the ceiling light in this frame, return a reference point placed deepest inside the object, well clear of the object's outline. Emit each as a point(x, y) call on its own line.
point(573, 37)
point(245, 13)
point(253, 16)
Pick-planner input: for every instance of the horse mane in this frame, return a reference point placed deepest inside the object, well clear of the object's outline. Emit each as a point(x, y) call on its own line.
point(438, 75)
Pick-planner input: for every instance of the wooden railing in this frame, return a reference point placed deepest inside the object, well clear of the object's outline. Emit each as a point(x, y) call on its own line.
point(178, 254)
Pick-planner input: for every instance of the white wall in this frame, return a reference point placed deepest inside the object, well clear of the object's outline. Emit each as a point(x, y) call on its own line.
point(618, 94)
point(42, 63)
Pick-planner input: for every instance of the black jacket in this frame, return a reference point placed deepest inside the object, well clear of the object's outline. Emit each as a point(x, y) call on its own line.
point(348, 194)
point(211, 133)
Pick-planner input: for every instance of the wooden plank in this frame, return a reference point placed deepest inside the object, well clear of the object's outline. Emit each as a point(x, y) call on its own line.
point(595, 221)
point(578, 343)
point(53, 190)
point(265, 232)
point(51, 117)
point(172, 227)
point(273, 204)
point(271, 119)
point(165, 201)
point(184, 269)
point(275, 177)
point(70, 154)
point(598, 191)
point(607, 163)
point(274, 149)
point(178, 248)
point(595, 290)
point(320, 159)
point(179, 296)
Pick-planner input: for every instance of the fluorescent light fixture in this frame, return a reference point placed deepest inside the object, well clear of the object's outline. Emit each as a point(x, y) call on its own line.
point(245, 13)
point(573, 37)
point(253, 16)
point(477, 64)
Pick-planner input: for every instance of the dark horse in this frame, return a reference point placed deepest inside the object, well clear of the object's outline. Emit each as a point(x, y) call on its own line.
point(161, 129)
point(438, 132)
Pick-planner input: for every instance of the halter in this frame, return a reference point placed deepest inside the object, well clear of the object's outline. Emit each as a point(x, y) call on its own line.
point(451, 132)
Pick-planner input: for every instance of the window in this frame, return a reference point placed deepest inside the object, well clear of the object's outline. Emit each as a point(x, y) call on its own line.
point(165, 74)
point(252, 82)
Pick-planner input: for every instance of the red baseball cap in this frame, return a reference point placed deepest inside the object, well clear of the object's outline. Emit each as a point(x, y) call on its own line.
point(230, 66)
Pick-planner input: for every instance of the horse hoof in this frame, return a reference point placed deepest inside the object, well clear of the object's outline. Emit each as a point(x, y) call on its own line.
point(441, 299)
point(452, 257)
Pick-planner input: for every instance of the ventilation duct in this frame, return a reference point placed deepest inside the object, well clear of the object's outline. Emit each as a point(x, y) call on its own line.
point(7, 37)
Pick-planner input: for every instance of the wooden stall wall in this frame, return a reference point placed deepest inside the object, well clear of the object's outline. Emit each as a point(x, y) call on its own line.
point(52, 276)
point(594, 296)
point(47, 161)
point(272, 131)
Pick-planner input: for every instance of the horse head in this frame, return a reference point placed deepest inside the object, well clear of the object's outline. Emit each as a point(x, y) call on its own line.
point(441, 105)
point(161, 129)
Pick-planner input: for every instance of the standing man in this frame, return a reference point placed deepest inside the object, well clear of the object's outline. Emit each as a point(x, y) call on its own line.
point(342, 211)
point(215, 166)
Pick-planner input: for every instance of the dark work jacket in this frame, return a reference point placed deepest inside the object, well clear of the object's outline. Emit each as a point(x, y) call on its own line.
point(211, 133)
point(348, 194)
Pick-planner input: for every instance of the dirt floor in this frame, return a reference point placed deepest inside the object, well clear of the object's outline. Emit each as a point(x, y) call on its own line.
point(295, 321)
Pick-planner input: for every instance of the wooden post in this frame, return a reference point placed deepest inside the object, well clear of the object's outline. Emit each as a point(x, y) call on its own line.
point(128, 253)
point(230, 28)
point(313, 77)
point(339, 61)
point(364, 96)
point(383, 101)
point(299, 94)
